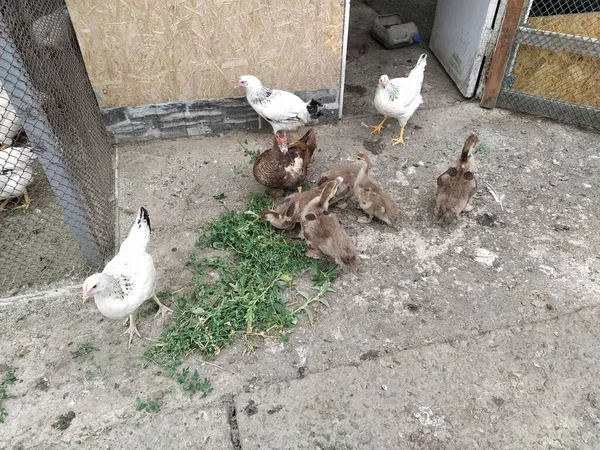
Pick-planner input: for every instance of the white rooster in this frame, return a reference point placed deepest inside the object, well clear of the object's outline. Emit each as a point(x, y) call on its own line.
point(129, 278)
point(10, 124)
point(400, 97)
point(15, 174)
point(283, 110)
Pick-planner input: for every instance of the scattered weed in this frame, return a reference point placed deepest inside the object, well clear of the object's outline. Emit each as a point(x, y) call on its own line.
point(193, 384)
point(9, 378)
point(84, 349)
point(252, 154)
point(247, 299)
point(483, 150)
point(151, 406)
point(220, 196)
point(236, 171)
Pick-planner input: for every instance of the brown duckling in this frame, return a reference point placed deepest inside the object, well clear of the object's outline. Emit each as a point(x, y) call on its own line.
point(322, 230)
point(287, 214)
point(278, 168)
point(345, 191)
point(371, 198)
point(457, 185)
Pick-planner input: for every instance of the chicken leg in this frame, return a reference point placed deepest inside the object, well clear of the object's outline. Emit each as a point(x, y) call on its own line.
point(25, 206)
point(377, 128)
point(3, 204)
point(162, 309)
point(400, 139)
point(131, 330)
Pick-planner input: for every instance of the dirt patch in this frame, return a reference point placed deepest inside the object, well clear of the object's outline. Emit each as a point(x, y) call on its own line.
point(356, 89)
point(374, 146)
point(64, 421)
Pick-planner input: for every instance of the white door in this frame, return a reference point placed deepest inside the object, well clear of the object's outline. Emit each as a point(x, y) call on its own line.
point(459, 38)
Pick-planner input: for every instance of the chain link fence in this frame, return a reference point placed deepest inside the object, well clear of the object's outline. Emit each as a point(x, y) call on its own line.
point(57, 186)
point(554, 70)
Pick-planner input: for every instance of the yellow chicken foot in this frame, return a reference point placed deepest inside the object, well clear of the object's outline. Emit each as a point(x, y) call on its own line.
point(3, 204)
point(131, 330)
point(162, 309)
point(400, 140)
point(299, 188)
point(377, 128)
point(24, 206)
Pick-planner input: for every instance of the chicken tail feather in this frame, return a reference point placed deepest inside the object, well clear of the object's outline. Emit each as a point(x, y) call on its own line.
point(314, 109)
point(139, 236)
point(419, 68)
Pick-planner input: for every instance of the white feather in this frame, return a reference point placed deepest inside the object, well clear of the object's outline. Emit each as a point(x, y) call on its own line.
point(401, 97)
point(284, 110)
point(15, 171)
point(10, 124)
point(129, 279)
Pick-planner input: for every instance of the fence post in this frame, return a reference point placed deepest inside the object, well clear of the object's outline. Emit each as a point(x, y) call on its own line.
point(501, 54)
point(25, 99)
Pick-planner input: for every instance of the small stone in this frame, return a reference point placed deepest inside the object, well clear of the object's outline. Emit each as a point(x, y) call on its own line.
point(384, 387)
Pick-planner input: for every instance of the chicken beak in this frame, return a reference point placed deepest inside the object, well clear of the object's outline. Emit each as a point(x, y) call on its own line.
point(85, 296)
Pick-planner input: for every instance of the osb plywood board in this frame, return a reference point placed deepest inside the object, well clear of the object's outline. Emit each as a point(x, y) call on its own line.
point(154, 51)
point(561, 75)
point(584, 24)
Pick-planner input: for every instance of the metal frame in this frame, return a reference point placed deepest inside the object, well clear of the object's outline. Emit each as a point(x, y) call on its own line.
point(24, 97)
point(543, 106)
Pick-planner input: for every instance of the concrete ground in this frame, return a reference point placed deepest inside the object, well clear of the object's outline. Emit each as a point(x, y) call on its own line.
point(482, 335)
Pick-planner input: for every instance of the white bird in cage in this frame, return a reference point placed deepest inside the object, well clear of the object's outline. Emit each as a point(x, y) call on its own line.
point(15, 174)
point(128, 280)
point(10, 124)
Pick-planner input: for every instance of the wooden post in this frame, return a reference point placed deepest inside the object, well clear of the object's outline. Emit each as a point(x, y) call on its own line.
point(510, 23)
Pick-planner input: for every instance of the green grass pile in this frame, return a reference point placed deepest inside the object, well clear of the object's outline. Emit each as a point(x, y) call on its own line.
point(247, 298)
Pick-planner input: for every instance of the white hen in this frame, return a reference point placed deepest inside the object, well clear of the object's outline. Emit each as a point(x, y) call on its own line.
point(129, 278)
point(400, 97)
point(10, 124)
point(15, 174)
point(283, 110)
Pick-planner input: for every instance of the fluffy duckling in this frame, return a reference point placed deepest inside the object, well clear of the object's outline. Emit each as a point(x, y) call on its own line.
point(323, 232)
point(278, 168)
point(287, 214)
point(457, 185)
point(348, 172)
point(371, 198)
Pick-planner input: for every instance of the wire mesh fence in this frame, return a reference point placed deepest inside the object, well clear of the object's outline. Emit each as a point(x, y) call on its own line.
point(57, 190)
point(554, 69)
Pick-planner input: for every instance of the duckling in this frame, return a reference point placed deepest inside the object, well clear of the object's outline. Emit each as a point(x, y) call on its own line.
point(371, 198)
point(287, 214)
point(348, 172)
point(322, 230)
point(457, 185)
point(285, 168)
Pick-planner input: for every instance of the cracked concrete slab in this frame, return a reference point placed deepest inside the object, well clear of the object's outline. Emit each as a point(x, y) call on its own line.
point(528, 387)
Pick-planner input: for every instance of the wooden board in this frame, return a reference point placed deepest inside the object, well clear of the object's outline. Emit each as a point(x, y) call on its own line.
point(502, 52)
point(153, 51)
point(560, 75)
